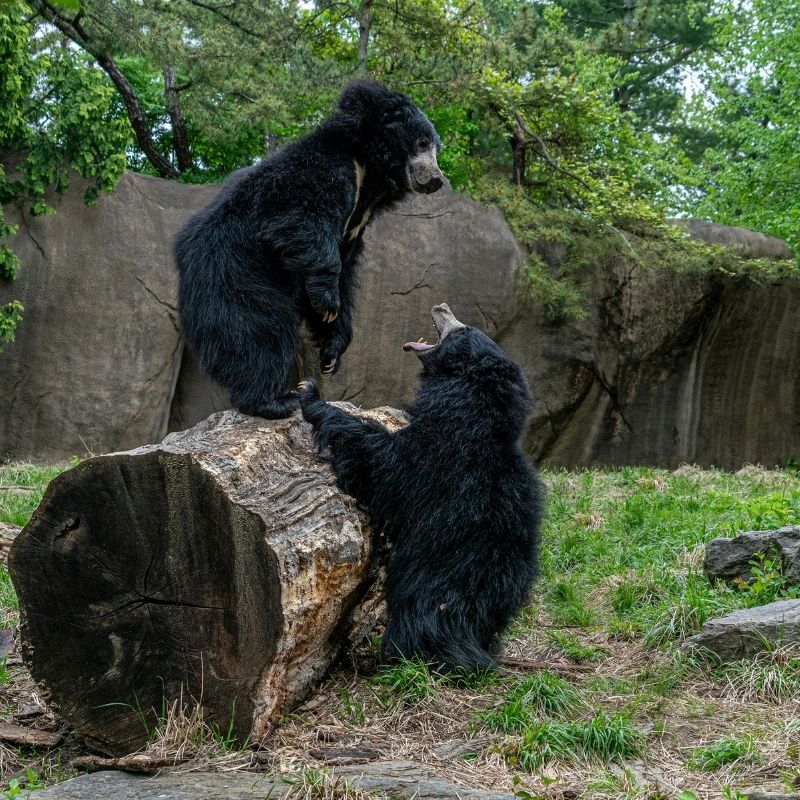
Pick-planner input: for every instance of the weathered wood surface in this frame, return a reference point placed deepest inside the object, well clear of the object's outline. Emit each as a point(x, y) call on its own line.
point(8, 533)
point(218, 566)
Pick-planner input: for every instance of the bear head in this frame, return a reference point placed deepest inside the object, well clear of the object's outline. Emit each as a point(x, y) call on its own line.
point(472, 374)
point(393, 134)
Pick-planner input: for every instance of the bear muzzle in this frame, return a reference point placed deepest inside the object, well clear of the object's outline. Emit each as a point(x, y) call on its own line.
point(424, 175)
point(445, 323)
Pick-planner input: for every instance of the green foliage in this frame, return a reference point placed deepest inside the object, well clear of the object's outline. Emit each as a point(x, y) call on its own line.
point(58, 113)
point(654, 40)
point(767, 583)
point(10, 315)
point(749, 102)
point(29, 783)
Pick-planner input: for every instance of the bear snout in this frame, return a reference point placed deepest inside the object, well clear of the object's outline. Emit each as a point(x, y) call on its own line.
point(424, 174)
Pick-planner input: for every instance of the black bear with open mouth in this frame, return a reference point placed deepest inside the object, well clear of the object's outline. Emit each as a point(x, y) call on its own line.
point(453, 492)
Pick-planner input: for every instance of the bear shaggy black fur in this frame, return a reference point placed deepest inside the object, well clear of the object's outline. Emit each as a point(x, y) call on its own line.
point(453, 492)
point(279, 244)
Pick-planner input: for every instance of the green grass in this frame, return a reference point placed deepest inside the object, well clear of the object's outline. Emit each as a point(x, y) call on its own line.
point(408, 681)
point(572, 647)
point(539, 695)
point(16, 503)
point(605, 737)
point(723, 752)
point(21, 490)
point(634, 534)
point(770, 676)
point(352, 708)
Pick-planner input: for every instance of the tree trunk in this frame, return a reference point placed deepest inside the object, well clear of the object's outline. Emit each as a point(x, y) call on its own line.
point(364, 25)
point(220, 566)
point(180, 137)
point(519, 155)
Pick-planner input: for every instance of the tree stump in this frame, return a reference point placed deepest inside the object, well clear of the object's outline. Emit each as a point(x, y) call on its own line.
point(218, 567)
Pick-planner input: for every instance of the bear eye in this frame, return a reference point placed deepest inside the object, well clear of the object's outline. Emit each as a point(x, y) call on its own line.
point(423, 143)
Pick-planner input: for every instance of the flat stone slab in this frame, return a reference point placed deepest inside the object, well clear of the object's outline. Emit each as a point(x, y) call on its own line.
point(759, 795)
point(396, 779)
point(730, 558)
point(742, 634)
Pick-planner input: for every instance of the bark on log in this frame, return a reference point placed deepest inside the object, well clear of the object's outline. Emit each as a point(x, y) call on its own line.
point(219, 566)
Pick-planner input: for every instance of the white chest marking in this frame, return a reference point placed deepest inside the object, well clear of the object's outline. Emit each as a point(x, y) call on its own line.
point(360, 172)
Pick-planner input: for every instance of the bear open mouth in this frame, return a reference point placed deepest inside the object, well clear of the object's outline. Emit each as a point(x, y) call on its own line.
point(445, 323)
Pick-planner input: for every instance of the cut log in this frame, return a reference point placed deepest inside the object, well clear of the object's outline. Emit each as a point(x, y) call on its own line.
point(219, 567)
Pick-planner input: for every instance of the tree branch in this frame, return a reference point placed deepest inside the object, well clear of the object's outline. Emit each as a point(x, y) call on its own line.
point(546, 154)
point(75, 32)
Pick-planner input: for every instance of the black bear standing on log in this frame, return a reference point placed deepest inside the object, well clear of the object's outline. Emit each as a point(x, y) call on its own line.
point(279, 244)
point(457, 499)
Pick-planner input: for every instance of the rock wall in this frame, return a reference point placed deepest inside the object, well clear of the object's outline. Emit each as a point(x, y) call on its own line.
point(666, 367)
point(96, 356)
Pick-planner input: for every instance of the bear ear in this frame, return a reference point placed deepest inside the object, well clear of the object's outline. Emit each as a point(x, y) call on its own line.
point(371, 98)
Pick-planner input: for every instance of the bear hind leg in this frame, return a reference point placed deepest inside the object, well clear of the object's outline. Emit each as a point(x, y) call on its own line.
point(444, 649)
point(258, 368)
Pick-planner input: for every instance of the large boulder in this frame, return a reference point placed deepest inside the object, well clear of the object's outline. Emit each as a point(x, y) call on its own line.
point(96, 357)
point(665, 367)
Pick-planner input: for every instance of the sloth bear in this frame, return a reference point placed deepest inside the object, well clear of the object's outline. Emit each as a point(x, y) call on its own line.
point(279, 244)
point(457, 499)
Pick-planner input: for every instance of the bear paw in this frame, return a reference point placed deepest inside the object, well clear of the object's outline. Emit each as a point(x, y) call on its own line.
point(308, 391)
point(326, 304)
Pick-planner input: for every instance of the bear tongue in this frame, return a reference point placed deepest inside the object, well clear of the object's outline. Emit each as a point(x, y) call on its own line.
point(419, 347)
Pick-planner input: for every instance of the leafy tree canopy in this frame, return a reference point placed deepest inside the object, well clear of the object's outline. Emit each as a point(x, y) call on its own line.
point(751, 103)
point(557, 105)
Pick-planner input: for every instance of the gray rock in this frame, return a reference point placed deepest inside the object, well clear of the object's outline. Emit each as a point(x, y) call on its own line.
point(729, 558)
point(666, 368)
point(749, 244)
point(761, 795)
point(397, 779)
point(418, 781)
point(742, 634)
point(96, 357)
point(165, 786)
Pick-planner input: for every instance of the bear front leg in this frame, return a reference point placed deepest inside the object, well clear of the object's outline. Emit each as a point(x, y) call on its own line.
point(333, 338)
point(322, 287)
point(357, 446)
